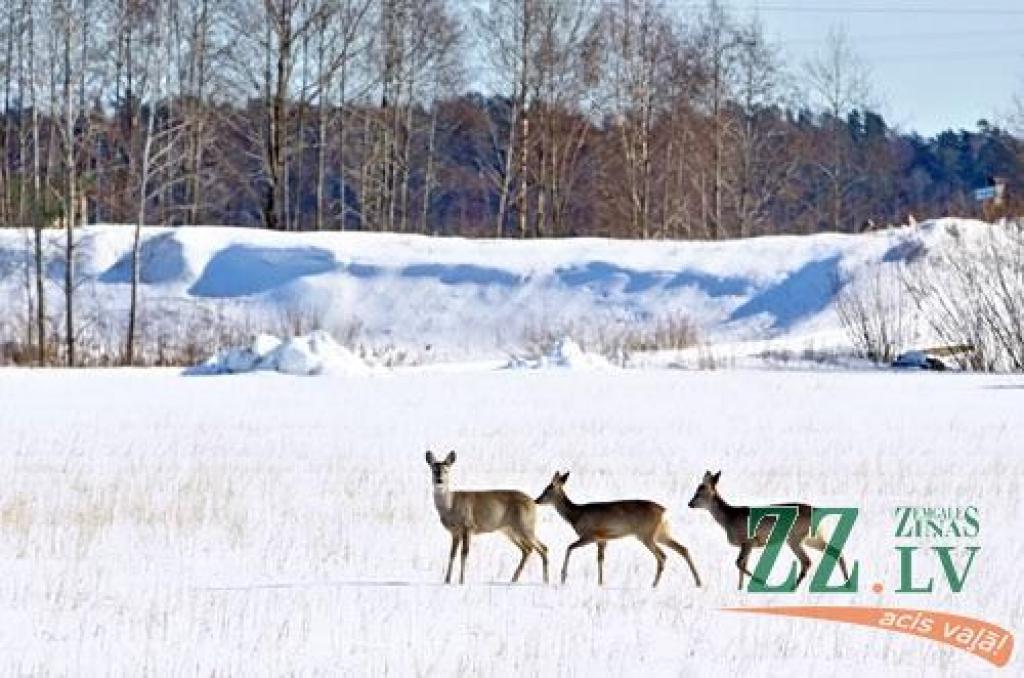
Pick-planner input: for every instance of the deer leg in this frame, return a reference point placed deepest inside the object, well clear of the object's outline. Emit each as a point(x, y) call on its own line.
point(805, 560)
point(465, 553)
point(540, 548)
point(842, 566)
point(820, 544)
point(600, 562)
point(681, 550)
point(659, 555)
point(741, 562)
point(582, 541)
point(526, 549)
point(451, 557)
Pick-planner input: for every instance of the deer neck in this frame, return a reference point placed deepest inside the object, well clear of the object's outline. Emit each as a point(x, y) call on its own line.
point(443, 498)
point(568, 510)
point(728, 516)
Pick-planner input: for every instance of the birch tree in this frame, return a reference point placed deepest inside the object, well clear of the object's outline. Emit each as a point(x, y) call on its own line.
point(159, 136)
point(838, 81)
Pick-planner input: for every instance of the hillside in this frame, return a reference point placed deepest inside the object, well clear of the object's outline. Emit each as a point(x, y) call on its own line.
point(448, 299)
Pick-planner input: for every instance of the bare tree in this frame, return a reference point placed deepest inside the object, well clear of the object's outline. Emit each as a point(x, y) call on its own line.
point(159, 137)
point(568, 72)
point(875, 312)
point(196, 20)
point(509, 30)
point(640, 51)
point(68, 37)
point(718, 42)
point(763, 161)
point(340, 32)
point(838, 80)
point(971, 294)
point(38, 200)
point(269, 35)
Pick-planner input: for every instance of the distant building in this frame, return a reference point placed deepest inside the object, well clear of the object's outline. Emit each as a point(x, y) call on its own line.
point(994, 198)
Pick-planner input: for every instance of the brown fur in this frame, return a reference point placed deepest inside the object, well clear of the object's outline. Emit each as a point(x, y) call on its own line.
point(734, 520)
point(601, 522)
point(464, 514)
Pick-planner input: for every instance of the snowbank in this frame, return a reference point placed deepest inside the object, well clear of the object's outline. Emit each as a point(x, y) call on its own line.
point(566, 354)
point(453, 299)
point(317, 353)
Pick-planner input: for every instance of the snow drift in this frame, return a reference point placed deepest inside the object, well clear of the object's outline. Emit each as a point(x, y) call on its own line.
point(457, 299)
point(565, 354)
point(317, 353)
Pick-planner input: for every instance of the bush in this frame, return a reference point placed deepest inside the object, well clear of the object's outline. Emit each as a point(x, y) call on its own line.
point(971, 294)
point(874, 312)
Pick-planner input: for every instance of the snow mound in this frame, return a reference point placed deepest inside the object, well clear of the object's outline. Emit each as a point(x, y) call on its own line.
point(458, 300)
point(566, 354)
point(316, 353)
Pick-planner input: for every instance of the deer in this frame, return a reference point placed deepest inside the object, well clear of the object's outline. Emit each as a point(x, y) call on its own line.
point(464, 514)
point(600, 522)
point(734, 520)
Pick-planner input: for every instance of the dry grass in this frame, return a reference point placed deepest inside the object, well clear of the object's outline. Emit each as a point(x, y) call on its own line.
point(616, 341)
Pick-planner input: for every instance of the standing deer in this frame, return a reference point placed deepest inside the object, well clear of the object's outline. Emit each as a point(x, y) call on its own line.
point(603, 521)
point(734, 520)
point(467, 513)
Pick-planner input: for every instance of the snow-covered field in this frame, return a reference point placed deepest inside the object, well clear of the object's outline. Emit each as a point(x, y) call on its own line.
point(422, 299)
point(260, 524)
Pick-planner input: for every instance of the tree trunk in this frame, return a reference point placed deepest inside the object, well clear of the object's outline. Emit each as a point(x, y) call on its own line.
point(37, 195)
point(71, 195)
point(428, 176)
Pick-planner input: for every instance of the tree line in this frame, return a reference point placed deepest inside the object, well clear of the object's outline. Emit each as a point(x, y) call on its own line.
point(629, 118)
point(503, 118)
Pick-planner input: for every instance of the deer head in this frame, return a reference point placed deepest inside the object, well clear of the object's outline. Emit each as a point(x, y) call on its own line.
point(554, 489)
point(706, 492)
point(440, 469)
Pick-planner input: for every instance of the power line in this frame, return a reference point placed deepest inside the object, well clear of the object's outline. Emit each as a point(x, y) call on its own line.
point(841, 9)
point(886, 59)
point(911, 37)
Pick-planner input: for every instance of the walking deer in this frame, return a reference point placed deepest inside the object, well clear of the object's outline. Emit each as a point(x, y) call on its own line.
point(464, 514)
point(601, 522)
point(734, 520)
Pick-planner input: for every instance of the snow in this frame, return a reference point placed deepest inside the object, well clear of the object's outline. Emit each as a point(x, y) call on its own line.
point(565, 354)
point(452, 299)
point(254, 524)
point(317, 353)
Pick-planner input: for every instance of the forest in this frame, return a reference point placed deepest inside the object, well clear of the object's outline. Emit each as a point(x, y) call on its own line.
point(503, 118)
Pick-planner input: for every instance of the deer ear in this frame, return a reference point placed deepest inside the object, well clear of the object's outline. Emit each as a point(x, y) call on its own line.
point(715, 477)
point(430, 458)
point(565, 476)
point(556, 478)
point(450, 459)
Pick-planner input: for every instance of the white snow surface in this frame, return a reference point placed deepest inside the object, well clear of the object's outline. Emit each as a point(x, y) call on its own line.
point(265, 525)
point(316, 353)
point(453, 299)
point(565, 354)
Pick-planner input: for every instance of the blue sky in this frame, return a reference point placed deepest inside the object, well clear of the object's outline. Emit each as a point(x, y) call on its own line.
point(935, 64)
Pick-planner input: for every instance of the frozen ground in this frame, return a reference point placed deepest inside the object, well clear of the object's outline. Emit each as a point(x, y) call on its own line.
point(154, 524)
point(450, 299)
